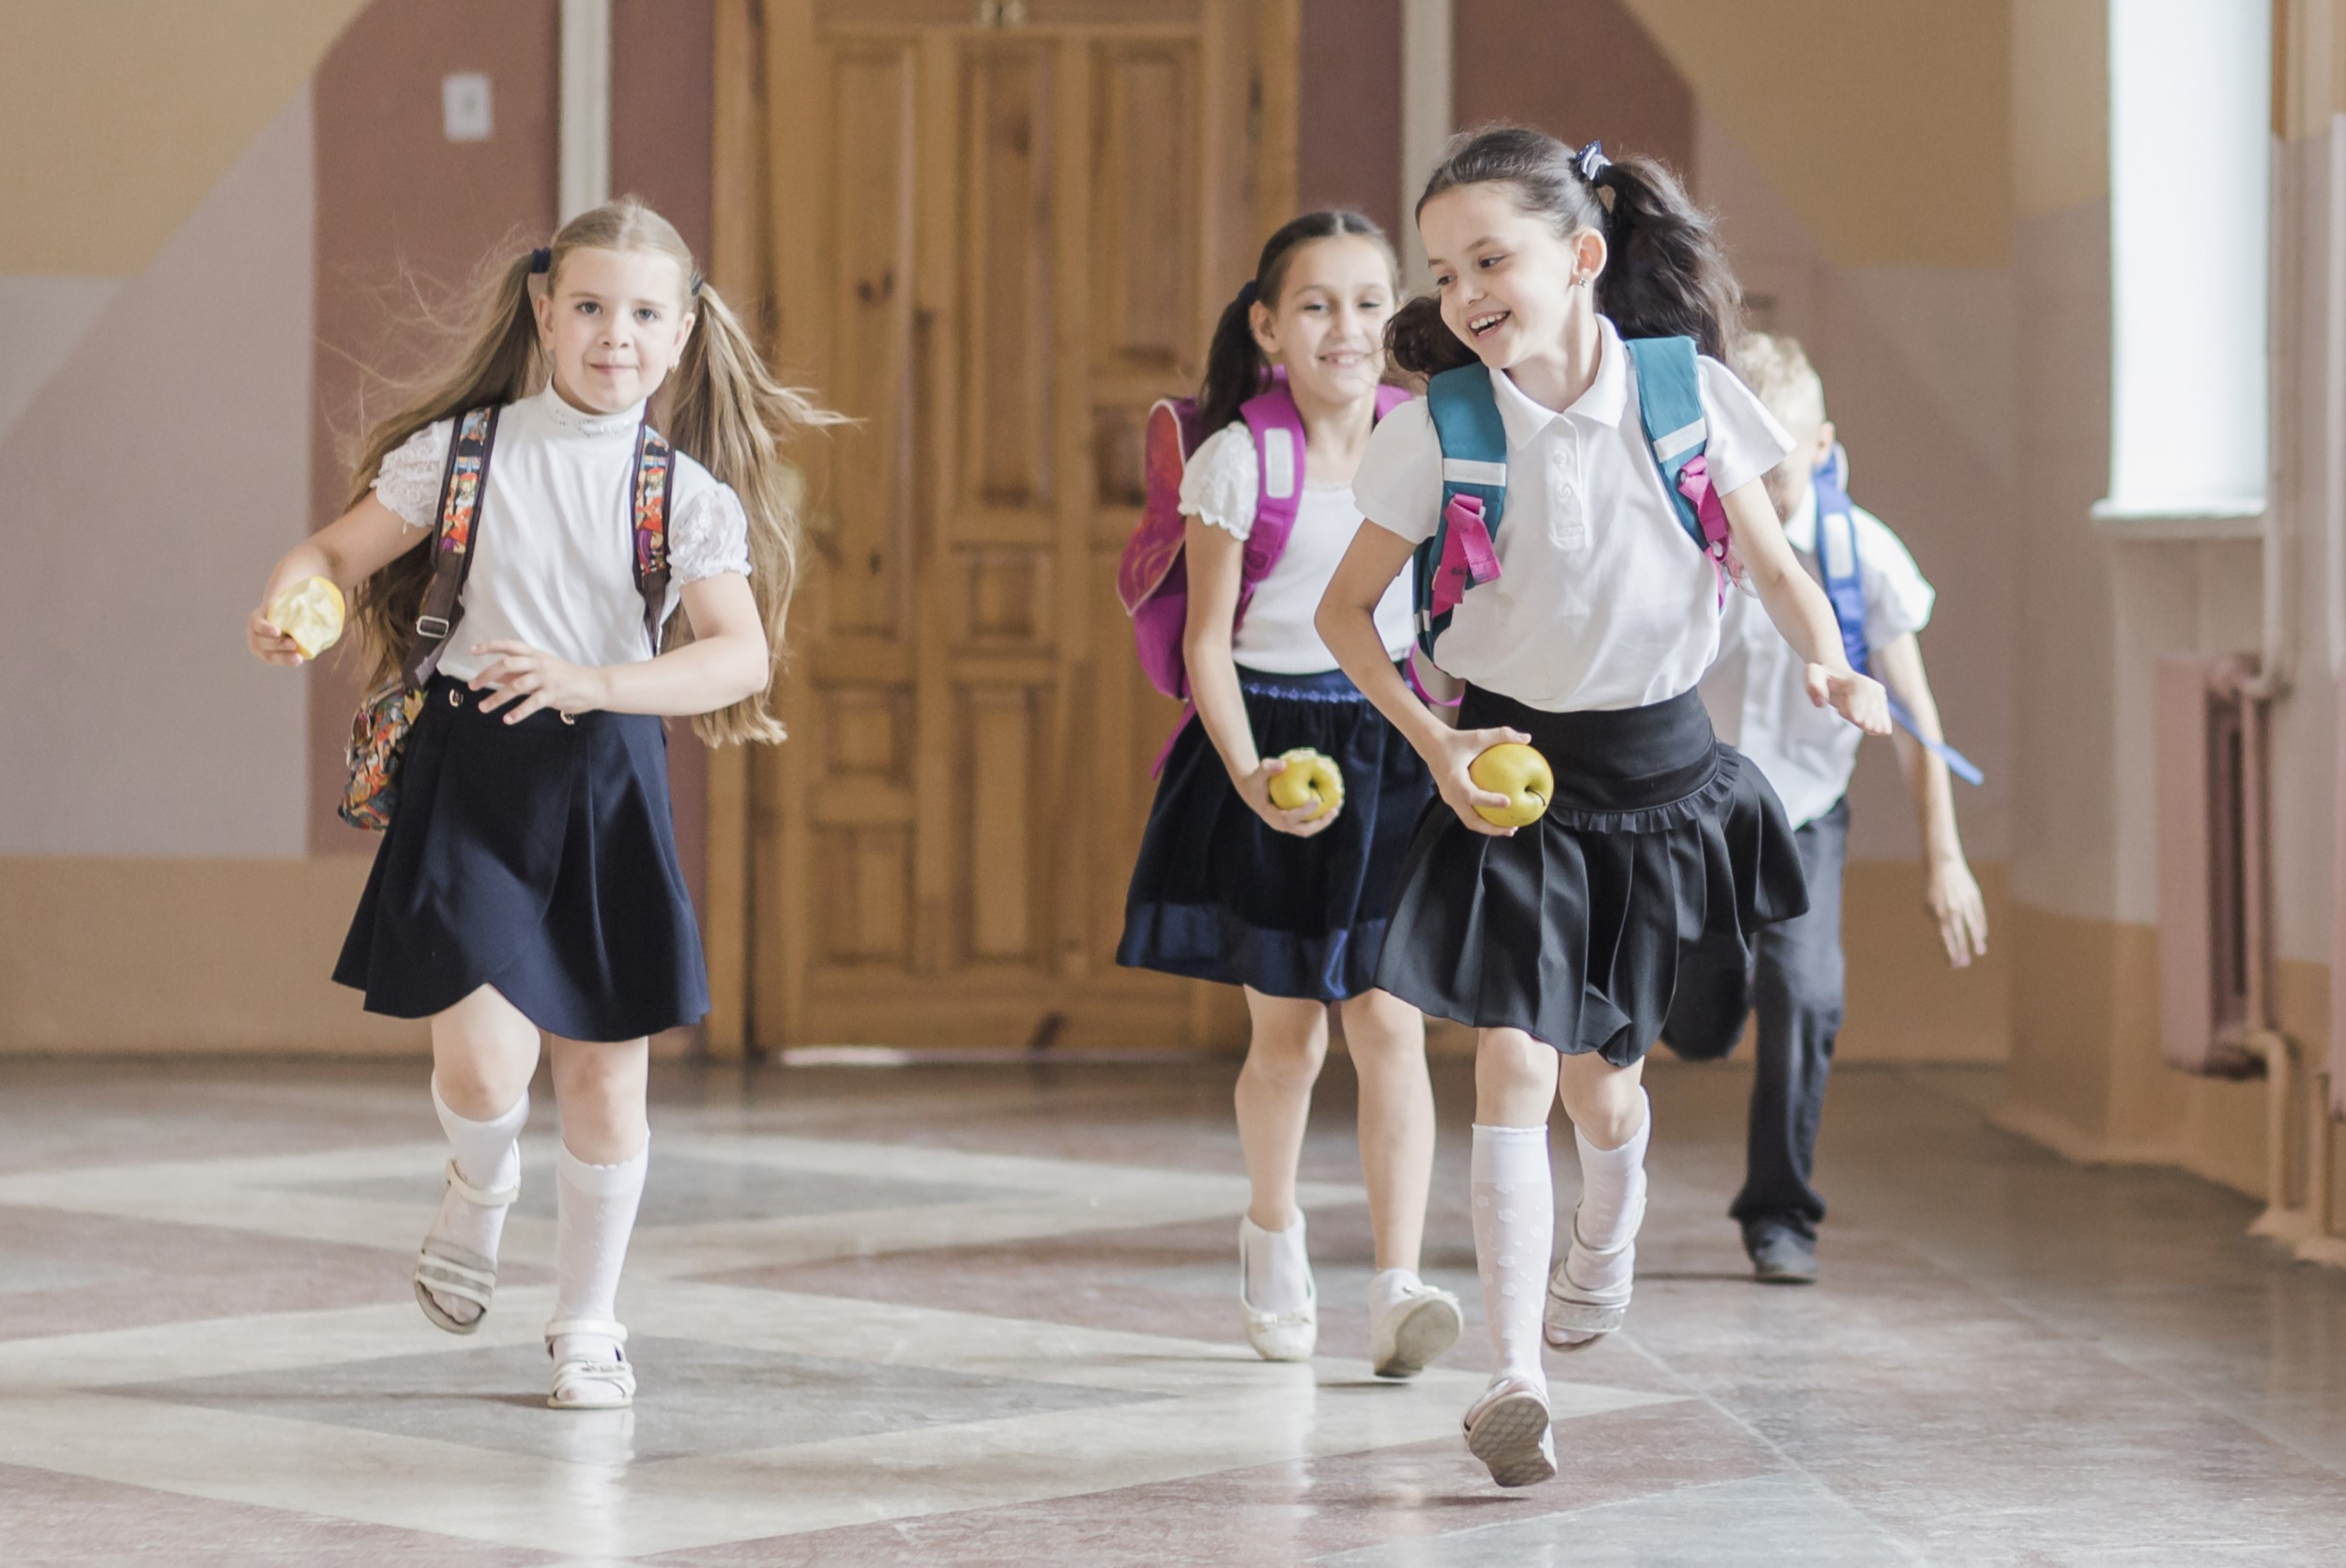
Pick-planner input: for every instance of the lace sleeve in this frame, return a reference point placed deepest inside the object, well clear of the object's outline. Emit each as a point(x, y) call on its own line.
point(409, 481)
point(709, 536)
point(1219, 485)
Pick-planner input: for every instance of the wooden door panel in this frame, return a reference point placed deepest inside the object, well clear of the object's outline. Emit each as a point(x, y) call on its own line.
point(1008, 280)
point(868, 475)
point(1144, 208)
point(999, 884)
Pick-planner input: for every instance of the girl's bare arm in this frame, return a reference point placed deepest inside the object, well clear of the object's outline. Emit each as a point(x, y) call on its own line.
point(1213, 558)
point(346, 551)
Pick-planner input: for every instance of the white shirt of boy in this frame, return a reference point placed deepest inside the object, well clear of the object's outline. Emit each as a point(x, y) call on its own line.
point(1223, 486)
point(1758, 692)
point(554, 543)
point(1603, 600)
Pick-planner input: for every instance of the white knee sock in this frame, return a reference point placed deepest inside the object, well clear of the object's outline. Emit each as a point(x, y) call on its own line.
point(1514, 1228)
point(1278, 1267)
point(598, 1215)
point(489, 1156)
point(1612, 1207)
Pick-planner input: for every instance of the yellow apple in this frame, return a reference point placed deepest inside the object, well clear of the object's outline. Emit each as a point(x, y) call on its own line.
point(311, 613)
point(1519, 774)
point(1308, 776)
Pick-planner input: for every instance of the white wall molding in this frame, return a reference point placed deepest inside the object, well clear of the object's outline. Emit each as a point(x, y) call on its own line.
point(1428, 115)
point(584, 175)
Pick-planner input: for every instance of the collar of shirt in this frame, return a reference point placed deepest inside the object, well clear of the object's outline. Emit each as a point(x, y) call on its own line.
point(1602, 403)
point(571, 419)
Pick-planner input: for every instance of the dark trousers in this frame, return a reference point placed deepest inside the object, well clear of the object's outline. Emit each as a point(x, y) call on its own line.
point(1793, 977)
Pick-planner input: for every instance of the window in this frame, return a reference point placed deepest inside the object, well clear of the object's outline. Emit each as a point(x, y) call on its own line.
point(2190, 199)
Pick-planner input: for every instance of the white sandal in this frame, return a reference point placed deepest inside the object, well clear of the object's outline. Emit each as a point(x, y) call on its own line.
point(1576, 1317)
point(454, 1271)
point(580, 1384)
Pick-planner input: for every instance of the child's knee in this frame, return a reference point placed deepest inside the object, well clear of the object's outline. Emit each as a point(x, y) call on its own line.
point(1287, 1057)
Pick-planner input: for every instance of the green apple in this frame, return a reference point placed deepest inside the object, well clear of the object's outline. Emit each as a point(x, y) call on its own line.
point(1308, 777)
point(1519, 774)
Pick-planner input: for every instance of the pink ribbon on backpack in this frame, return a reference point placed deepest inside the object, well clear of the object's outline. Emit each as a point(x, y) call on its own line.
point(1468, 559)
point(1694, 483)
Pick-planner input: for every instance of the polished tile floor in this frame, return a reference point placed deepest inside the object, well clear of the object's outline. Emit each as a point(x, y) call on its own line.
point(980, 1315)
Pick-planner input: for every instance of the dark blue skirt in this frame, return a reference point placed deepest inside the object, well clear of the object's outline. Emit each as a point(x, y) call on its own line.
point(537, 858)
point(1220, 894)
point(1572, 930)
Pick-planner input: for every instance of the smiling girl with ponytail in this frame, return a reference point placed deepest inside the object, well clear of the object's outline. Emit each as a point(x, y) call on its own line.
point(520, 537)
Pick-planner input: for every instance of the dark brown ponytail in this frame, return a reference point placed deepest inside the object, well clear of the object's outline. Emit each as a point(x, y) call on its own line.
point(1666, 273)
point(1235, 367)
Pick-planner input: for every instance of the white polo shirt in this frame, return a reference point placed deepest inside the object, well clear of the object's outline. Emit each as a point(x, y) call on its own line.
point(1223, 486)
point(1758, 692)
point(1603, 601)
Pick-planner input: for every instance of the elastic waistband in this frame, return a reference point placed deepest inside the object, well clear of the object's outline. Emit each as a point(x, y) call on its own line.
point(1315, 686)
point(1614, 760)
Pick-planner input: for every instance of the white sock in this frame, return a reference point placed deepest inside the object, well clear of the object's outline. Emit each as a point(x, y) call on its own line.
point(1278, 1269)
point(1514, 1229)
point(1389, 1285)
point(1612, 1207)
point(597, 1217)
point(487, 1155)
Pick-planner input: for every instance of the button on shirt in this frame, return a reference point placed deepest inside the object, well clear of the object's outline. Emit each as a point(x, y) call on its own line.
point(1603, 600)
point(1758, 692)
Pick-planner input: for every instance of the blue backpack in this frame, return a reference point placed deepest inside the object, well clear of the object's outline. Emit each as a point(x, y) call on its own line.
point(1459, 555)
point(1837, 553)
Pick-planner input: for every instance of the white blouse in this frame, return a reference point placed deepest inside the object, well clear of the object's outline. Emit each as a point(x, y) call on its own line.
point(554, 545)
point(1221, 486)
point(1601, 601)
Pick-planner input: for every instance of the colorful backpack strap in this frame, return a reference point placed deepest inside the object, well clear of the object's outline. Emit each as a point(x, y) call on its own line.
point(1460, 554)
point(1845, 588)
point(463, 484)
point(655, 473)
point(1670, 405)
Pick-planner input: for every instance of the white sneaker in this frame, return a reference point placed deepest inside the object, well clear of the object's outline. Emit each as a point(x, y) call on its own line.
point(1510, 1431)
point(1577, 1316)
point(1409, 1327)
point(1278, 1336)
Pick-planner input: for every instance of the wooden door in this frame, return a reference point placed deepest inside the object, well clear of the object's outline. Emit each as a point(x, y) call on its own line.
point(995, 234)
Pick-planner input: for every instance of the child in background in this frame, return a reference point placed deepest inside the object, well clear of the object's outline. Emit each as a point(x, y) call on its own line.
point(1794, 976)
point(1288, 903)
point(1560, 942)
point(529, 884)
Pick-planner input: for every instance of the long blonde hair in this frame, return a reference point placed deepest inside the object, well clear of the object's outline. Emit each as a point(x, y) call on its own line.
point(725, 408)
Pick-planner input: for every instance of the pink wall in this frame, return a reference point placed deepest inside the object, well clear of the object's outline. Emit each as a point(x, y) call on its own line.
point(1581, 70)
point(1349, 141)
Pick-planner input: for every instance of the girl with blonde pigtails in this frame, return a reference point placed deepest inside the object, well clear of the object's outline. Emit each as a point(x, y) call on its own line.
point(520, 539)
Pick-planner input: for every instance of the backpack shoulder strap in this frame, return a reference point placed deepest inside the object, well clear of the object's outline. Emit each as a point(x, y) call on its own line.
point(1670, 405)
point(1473, 439)
point(1277, 427)
point(464, 483)
point(1837, 554)
point(655, 471)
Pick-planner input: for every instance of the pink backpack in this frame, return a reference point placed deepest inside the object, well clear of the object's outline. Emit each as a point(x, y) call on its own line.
point(1151, 580)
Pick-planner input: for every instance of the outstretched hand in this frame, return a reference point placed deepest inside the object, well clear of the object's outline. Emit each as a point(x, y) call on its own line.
point(1858, 698)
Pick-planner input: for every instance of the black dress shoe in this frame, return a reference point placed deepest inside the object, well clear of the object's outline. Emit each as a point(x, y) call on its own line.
point(1782, 1256)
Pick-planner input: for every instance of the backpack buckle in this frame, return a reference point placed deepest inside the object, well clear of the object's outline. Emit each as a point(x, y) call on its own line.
point(435, 627)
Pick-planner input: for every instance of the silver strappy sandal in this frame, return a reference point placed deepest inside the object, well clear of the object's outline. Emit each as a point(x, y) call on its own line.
point(1576, 1317)
point(444, 1266)
point(580, 1384)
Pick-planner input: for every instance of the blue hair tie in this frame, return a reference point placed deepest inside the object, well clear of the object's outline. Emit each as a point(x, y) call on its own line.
point(1248, 293)
point(1590, 160)
point(542, 259)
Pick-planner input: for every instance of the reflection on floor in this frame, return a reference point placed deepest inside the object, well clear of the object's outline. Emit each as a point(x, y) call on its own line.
point(981, 1314)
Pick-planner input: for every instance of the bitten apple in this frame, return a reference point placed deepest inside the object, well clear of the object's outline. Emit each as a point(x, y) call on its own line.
point(1309, 776)
point(311, 613)
point(1519, 774)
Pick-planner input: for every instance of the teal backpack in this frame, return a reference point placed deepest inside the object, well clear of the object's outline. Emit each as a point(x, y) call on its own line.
point(1461, 556)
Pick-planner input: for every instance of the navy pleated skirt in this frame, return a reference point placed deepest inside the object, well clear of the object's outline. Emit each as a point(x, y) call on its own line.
point(1217, 894)
point(1572, 930)
point(537, 858)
